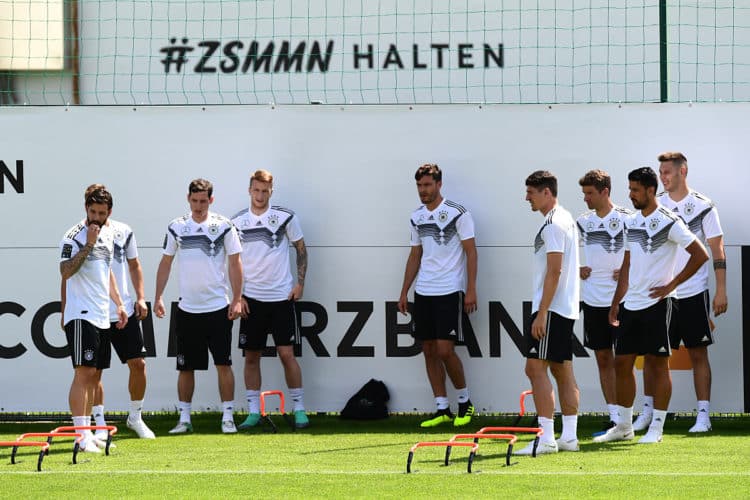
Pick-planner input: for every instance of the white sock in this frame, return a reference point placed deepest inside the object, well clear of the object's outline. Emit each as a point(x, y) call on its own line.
point(136, 407)
point(703, 410)
point(228, 407)
point(98, 412)
point(570, 427)
point(657, 422)
point(185, 411)
point(463, 395)
point(648, 406)
point(253, 401)
point(441, 402)
point(548, 426)
point(624, 416)
point(612, 412)
point(87, 432)
point(298, 394)
point(80, 422)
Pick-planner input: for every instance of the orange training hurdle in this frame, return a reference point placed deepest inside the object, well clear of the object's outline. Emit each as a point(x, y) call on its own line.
point(266, 419)
point(472, 453)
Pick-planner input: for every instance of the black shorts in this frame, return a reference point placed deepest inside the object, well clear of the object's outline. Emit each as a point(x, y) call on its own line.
point(128, 342)
point(439, 317)
point(277, 318)
point(691, 322)
point(557, 345)
point(598, 334)
point(89, 345)
point(646, 331)
point(197, 333)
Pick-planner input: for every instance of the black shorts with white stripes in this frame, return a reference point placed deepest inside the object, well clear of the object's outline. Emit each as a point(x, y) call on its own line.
point(691, 323)
point(439, 317)
point(89, 345)
point(646, 331)
point(557, 344)
point(277, 318)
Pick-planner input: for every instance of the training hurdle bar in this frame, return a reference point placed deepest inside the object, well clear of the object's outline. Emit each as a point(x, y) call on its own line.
point(511, 438)
point(522, 406)
point(111, 431)
point(56, 433)
point(530, 430)
point(266, 419)
point(43, 445)
point(474, 447)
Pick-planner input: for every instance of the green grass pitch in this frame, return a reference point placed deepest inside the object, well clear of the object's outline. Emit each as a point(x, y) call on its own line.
point(344, 459)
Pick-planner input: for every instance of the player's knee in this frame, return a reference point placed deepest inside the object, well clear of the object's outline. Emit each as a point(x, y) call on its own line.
point(605, 360)
point(287, 356)
point(137, 365)
point(534, 370)
point(86, 375)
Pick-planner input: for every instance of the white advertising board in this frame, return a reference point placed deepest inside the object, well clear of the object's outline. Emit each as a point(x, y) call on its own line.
point(348, 173)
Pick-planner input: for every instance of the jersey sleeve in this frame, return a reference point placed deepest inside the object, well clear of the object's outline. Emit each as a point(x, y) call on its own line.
point(465, 226)
point(131, 247)
point(711, 224)
point(415, 240)
point(554, 238)
point(232, 242)
point(294, 229)
point(68, 249)
point(170, 243)
point(680, 234)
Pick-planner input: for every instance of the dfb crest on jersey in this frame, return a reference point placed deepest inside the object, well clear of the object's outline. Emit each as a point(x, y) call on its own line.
point(421, 219)
point(689, 208)
point(88, 355)
point(185, 230)
point(273, 220)
point(590, 226)
point(180, 359)
point(213, 229)
point(443, 216)
point(119, 236)
point(653, 224)
point(614, 224)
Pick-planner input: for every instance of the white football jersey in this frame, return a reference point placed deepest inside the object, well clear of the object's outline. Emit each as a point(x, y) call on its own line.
point(125, 249)
point(202, 250)
point(654, 243)
point(265, 252)
point(440, 232)
point(603, 245)
point(702, 218)
point(87, 290)
point(558, 234)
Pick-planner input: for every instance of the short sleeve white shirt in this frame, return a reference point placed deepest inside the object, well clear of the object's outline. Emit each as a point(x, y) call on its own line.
point(439, 232)
point(558, 234)
point(701, 217)
point(201, 250)
point(265, 242)
point(125, 249)
point(603, 246)
point(87, 290)
point(654, 243)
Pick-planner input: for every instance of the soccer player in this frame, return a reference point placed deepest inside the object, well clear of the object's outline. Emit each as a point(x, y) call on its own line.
point(85, 266)
point(443, 260)
point(602, 233)
point(692, 323)
point(128, 342)
point(554, 311)
point(648, 279)
point(270, 293)
point(205, 241)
